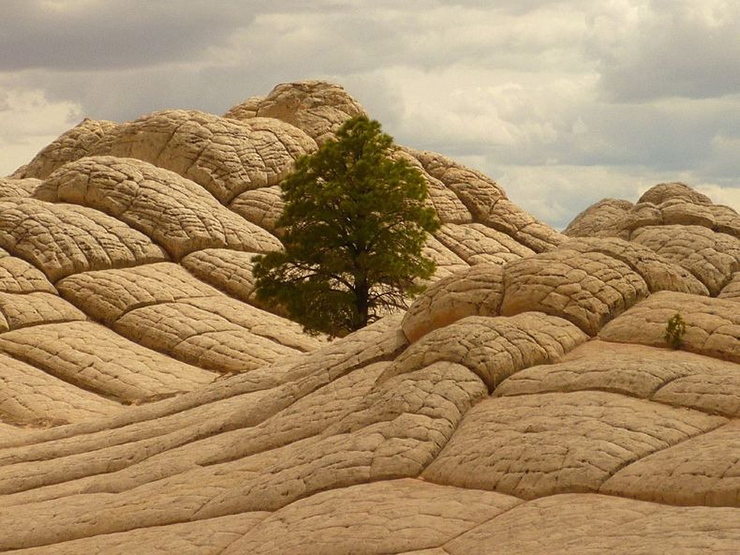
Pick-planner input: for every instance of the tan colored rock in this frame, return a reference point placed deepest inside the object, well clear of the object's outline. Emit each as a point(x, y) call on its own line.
point(580, 524)
point(202, 537)
point(659, 273)
point(587, 289)
point(731, 291)
point(487, 202)
point(163, 307)
point(96, 359)
point(476, 191)
point(684, 211)
point(224, 156)
point(316, 107)
point(18, 276)
point(712, 325)
point(395, 432)
point(62, 239)
point(534, 234)
point(447, 262)
point(8, 433)
point(136, 454)
point(359, 444)
point(679, 211)
point(72, 145)
point(714, 391)
point(32, 309)
point(605, 218)
point(107, 295)
point(383, 517)
point(129, 452)
point(493, 348)
point(476, 291)
point(368, 444)
point(263, 421)
point(640, 215)
point(668, 376)
point(177, 213)
point(227, 270)
point(10, 187)
point(711, 257)
point(245, 110)
point(663, 192)
point(448, 206)
point(246, 425)
point(726, 220)
point(261, 206)
point(538, 445)
point(381, 341)
point(215, 334)
point(29, 396)
point(704, 470)
point(664, 204)
point(476, 243)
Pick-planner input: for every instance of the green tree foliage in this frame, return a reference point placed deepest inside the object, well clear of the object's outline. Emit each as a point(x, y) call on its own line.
point(354, 225)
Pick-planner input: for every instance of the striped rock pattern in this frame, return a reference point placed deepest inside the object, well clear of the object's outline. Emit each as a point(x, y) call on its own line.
point(527, 402)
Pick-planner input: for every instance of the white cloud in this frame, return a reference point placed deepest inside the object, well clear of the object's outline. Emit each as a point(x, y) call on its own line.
point(729, 196)
point(668, 48)
point(28, 122)
point(556, 193)
point(562, 101)
point(467, 110)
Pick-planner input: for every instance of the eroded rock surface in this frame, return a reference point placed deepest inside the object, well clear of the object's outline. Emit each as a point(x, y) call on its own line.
point(177, 213)
point(10, 187)
point(712, 325)
point(224, 156)
point(658, 272)
point(317, 108)
point(602, 218)
point(587, 289)
point(712, 257)
point(63, 239)
point(665, 204)
point(527, 402)
point(72, 145)
point(477, 291)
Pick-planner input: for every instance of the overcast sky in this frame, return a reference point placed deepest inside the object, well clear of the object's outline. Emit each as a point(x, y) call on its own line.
point(563, 102)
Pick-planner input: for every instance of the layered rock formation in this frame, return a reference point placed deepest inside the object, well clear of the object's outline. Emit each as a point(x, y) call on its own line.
point(526, 402)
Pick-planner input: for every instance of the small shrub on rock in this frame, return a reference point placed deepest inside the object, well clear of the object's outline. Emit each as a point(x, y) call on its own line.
point(674, 330)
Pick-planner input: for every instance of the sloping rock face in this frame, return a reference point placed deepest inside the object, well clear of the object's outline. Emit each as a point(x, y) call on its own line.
point(525, 403)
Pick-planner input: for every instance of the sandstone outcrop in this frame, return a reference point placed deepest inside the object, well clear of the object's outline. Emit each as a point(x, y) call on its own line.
point(587, 289)
point(178, 214)
point(317, 108)
point(527, 402)
point(600, 219)
point(665, 204)
point(63, 239)
point(712, 257)
point(10, 187)
point(72, 145)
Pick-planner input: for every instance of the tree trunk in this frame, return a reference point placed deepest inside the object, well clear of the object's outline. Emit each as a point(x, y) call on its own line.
point(362, 299)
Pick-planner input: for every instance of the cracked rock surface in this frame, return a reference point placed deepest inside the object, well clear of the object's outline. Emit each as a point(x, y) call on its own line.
point(527, 401)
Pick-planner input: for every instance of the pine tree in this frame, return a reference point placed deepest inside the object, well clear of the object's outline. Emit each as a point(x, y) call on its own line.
point(355, 222)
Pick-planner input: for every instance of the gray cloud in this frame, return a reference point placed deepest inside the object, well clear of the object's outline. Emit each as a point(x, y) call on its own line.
point(115, 34)
point(678, 48)
point(564, 101)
